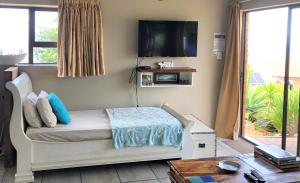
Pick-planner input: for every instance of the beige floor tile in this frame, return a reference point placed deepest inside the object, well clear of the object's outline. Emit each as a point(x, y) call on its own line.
point(38, 177)
point(1, 174)
point(99, 174)
point(160, 168)
point(225, 150)
point(1, 163)
point(165, 180)
point(146, 181)
point(62, 176)
point(134, 172)
point(9, 175)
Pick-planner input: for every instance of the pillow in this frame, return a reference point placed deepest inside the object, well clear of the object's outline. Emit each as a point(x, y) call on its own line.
point(46, 112)
point(30, 111)
point(59, 108)
point(43, 94)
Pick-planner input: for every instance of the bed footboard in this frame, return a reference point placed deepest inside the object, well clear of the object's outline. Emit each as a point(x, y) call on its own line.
point(187, 124)
point(187, 146)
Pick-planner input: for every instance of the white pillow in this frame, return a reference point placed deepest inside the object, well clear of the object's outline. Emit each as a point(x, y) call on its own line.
point(30, 111)
point(43, 94)
point(46, 112)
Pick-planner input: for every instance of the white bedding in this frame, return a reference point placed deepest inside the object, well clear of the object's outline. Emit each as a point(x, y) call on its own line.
point(84, 126)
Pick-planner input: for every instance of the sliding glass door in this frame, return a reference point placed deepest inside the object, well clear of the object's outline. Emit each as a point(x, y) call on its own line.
point(265, 69)
point(294, 79)
point(271, 84)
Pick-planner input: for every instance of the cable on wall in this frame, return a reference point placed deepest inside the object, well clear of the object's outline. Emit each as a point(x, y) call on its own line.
point(133, 76)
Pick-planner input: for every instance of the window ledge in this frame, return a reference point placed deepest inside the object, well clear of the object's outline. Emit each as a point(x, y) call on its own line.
point(36, 65)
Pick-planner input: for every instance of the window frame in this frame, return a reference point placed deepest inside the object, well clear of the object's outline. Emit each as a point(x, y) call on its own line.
point(32, 43)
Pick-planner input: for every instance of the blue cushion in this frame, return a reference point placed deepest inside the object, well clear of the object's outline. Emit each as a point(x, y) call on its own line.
point(59, 109)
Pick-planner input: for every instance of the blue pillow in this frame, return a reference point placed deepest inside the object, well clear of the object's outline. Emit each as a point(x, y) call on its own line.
point(59, 108)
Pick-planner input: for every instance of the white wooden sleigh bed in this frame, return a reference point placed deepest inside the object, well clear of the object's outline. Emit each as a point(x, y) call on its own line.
point(34, 155)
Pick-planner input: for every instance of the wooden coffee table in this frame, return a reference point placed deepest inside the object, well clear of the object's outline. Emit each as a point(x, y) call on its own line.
point(180, 170)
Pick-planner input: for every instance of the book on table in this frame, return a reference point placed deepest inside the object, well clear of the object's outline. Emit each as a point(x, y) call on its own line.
point(292, 164)
point(201, 179)
point(276, 153)
point(276, 156)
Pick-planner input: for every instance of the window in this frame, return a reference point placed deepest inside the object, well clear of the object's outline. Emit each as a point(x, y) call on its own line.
point(14, 36)
point(30, 30)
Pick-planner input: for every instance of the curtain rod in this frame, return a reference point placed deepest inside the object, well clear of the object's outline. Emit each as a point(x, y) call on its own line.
point(28, 5)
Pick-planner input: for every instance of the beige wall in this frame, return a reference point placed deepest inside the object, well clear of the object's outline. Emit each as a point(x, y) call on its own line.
point(120, 48)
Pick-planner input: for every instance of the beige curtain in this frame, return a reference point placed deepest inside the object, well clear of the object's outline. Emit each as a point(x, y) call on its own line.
point(227, 120)
point(80, 41)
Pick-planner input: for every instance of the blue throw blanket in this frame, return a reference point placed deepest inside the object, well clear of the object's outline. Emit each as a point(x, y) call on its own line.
point(144, 126)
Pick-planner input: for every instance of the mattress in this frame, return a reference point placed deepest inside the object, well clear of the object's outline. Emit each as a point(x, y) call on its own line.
point(84, 126)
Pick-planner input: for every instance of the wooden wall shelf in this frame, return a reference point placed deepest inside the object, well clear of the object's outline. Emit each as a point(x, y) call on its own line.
point(185, 77)
point(172, 70)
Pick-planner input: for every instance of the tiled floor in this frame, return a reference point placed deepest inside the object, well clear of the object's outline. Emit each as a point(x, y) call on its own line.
point(143, 172)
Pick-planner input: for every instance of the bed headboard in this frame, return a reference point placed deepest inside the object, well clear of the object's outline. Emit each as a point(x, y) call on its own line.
point(20, 88)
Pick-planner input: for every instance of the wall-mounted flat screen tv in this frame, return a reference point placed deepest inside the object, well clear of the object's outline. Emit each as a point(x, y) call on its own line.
point(167, 38)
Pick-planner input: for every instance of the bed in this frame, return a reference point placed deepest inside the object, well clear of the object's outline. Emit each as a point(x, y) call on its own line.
point(83, 143)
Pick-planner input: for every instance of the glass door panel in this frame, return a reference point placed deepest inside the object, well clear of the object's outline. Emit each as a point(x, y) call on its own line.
point(294, 83)
point(265, 53)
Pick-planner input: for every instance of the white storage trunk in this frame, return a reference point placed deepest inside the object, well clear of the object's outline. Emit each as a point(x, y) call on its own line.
point(203, 139)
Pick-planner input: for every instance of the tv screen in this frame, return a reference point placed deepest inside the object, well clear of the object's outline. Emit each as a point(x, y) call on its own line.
point(167, 38)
